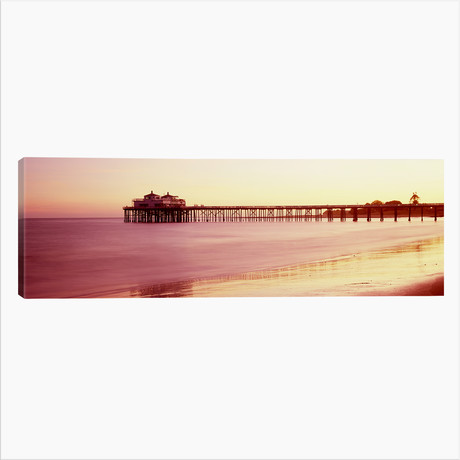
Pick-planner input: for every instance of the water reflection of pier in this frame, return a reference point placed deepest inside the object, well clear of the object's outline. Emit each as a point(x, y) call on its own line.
point(282, 213)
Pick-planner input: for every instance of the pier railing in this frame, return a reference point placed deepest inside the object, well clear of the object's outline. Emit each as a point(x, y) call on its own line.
point(296, 213)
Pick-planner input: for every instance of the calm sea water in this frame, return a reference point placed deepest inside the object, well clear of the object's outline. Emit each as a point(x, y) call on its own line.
point(110, 258)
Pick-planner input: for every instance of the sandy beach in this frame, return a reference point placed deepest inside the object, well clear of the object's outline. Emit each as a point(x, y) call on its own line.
point(433, 285)
point(412, 269)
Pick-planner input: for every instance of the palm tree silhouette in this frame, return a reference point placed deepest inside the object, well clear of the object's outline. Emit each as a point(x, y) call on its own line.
point(414, 199)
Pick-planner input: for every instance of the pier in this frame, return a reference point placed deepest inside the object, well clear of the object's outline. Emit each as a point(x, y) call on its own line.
point(307, 213)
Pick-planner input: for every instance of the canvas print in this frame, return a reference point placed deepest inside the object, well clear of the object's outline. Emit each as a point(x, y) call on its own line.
point(230, 228)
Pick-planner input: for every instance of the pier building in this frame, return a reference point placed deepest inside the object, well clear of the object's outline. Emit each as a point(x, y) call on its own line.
point(153, 200)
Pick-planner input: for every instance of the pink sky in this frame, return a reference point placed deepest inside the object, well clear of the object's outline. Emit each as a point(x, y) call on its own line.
point(87, 187)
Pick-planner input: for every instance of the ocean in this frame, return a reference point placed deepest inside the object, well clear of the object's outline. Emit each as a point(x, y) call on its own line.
point(64, 258)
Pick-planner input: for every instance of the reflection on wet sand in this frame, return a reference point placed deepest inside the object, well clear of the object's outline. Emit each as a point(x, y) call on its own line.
point(385, 272)
point(173, 289)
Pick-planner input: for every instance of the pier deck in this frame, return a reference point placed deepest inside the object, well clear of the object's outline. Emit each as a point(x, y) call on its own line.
point(281, 213)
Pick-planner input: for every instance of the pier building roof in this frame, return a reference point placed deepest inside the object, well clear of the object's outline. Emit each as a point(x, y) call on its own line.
point(151, 194)
point(169, 196)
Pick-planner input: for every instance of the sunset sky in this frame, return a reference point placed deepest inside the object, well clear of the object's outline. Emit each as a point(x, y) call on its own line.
point(84, 187)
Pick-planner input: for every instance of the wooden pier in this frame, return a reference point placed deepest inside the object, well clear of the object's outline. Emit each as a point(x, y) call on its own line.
point(305, 213)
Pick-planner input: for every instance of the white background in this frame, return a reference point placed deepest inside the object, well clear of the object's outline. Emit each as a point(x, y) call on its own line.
point(230, 378)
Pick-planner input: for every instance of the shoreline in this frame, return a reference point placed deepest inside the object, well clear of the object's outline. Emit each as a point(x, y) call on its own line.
point(385, 272)
point(432, 286)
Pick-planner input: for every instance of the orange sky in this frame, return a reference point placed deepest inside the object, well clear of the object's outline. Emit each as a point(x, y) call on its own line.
point(87, 187)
